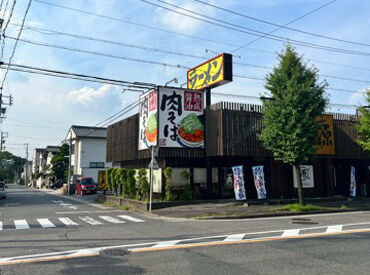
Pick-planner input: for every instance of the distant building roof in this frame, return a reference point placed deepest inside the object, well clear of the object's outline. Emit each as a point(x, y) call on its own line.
point(89, 132)
point(51, 148)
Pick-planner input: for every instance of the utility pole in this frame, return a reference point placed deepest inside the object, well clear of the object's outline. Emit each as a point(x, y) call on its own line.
point(26, 173)
point(4, 135)
point(69, 165)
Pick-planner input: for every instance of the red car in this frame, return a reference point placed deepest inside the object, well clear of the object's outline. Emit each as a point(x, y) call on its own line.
point(85, 185)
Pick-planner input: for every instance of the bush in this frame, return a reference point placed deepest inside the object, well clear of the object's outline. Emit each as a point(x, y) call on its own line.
point(187, 193)
point(108, 178)
point(143, 183)
point(167, 174)
point(131, 183)
point(122, 179)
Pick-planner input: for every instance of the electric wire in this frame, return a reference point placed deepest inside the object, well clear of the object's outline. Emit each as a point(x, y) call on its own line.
point(16, 43)
point(238, 28)
point(285, 26)
point(166, 52)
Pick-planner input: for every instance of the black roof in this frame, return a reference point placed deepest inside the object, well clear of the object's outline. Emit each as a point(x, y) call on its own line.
point(89, 132)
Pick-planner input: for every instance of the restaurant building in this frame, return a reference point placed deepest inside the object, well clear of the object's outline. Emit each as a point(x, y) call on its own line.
point(231, 139)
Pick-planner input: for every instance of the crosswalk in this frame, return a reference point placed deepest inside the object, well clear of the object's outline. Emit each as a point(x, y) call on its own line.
point(56, 222)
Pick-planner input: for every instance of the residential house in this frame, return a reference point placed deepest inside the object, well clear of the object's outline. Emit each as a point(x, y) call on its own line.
point(88, 151)
point(38, 163)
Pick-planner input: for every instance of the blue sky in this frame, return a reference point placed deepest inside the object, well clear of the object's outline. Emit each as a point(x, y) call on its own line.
point(45, 107)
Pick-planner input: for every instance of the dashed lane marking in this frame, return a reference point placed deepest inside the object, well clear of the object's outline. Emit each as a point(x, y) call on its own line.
point(111, 219)
point(21, 224)
point(290, 233)
point(235, 237)
point(90, 220)
point(129, 218)
point(334, 228)
point(1, 225)
point(159, 246)
point(67, 221)
point(45, 223)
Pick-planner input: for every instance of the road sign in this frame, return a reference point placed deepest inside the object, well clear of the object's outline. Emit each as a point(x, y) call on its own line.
point(155, 164)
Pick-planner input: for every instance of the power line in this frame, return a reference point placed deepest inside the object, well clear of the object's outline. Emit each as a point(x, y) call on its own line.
point(180, 34)
point(238, 28)
point(163, 51)
point(177, 66)
point(84, 76)
point(285, 26)
point(16, 42)
point(132, 23)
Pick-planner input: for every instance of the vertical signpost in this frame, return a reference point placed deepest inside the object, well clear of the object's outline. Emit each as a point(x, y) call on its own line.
point(210, 74)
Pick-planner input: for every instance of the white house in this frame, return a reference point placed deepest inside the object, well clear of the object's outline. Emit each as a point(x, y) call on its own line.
point(88, 151)
point(38, 163)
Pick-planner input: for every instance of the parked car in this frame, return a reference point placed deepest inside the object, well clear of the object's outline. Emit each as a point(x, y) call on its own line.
point(2, 190)
point(85, 185)
point(58, 184)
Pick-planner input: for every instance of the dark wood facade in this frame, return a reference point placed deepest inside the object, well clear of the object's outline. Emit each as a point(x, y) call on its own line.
point(232, 139)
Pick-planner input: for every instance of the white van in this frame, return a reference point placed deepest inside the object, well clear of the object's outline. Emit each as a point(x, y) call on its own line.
point(2, 190)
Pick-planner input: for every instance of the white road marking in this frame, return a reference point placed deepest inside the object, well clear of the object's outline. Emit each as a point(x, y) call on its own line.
point(165, 244)
point(45, 223)
point(21, 224)
point(1, 225)
point(129, 218)
point(233, 238)
point(131, 247)
point(334, 228)
point(290, 233)
point(67, 221)
point(86, 211)
point(111, 219)
point(90, 220)
point(66, 204)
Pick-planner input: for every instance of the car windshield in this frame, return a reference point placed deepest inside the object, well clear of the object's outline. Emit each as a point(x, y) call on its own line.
point(87, 181)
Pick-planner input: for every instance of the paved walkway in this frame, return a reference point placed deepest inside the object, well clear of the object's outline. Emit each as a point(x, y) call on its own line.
point(243, 210)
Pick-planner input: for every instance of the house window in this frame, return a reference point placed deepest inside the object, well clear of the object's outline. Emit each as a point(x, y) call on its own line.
point(72, 149)
point(96, 164)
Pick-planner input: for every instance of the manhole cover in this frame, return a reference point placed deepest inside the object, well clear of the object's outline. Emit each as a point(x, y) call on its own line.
point(114, 252)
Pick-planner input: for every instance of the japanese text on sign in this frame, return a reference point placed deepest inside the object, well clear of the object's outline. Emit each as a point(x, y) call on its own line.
point(212, 73)
point(326, 136)
point(148, 120)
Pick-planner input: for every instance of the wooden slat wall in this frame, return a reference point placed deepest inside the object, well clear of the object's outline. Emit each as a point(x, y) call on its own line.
point(231, 130)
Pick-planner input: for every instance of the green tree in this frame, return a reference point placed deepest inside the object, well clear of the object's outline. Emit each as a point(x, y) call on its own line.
point(144, 183)
point(10, 165)
point(364, 125)
point(131, 182)
point(60, 162)
point(167, 175)
point(108, 178)
point(290, 116)
point(123, 182)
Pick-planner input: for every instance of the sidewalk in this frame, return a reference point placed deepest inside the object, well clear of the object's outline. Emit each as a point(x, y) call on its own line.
point(233, 210)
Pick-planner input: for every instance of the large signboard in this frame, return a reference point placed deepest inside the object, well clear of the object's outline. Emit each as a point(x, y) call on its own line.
point(148, 117)
point(181, 118)
point(326, 136)
point(212, 73)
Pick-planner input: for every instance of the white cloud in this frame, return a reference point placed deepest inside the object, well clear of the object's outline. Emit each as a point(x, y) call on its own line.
point(88, 95)
point(359, 97)
point(182, 23)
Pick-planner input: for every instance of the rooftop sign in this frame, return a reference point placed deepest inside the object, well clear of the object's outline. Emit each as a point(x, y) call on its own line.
point(212, 73)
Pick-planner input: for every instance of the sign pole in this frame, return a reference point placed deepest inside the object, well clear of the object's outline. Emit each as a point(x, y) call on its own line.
point(151, 180)
point(208, 159)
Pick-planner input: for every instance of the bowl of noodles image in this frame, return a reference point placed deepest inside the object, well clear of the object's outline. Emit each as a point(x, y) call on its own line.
point(191, 131)
point(151, 130)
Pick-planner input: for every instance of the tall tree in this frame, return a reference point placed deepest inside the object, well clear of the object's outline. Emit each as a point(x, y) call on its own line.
point(290, 116)
point(364, 126)
point(60, 162)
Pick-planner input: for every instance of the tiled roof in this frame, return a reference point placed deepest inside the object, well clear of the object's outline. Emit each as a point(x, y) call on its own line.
point(90, 132)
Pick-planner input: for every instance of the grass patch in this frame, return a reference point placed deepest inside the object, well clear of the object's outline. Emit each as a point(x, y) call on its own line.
point(296, 207)
point(343, 207)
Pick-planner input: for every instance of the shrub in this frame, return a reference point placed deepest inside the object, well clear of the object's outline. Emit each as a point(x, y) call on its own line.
point(167, 174)
point(108, 178)
point(123, 181)
point(144, 183)
point(131, 183)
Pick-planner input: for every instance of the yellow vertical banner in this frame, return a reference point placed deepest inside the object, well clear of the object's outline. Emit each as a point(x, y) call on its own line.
point(326, 135)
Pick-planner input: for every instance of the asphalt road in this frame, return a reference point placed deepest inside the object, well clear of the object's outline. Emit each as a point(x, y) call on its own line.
point(317, 244)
